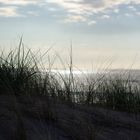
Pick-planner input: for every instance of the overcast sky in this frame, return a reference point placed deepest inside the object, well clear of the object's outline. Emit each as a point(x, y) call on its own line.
point(103, 32)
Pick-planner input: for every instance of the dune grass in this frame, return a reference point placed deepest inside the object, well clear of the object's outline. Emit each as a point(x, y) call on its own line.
point(20, 75)
point(22, 78)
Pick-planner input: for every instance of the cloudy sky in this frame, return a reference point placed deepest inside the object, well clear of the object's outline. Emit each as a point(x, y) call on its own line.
point(103, 32)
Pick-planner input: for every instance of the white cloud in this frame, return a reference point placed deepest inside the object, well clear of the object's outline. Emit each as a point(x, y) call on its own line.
point(80, 10)
point(75, 18)
point(93, 22)
point(52, 9)
point(33, 13)
point(128, 15)
point(91, 7)
point(116, 10)
point(19, 2)
point(9, 11)
point(132, 8)
point(105, 17)
point(9, 7)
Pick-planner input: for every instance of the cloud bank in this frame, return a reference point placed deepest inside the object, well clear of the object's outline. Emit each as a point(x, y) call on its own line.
point(75, 10)
point(87, 8)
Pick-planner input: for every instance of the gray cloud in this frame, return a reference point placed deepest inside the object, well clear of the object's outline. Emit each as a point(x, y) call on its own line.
point(76, 10)
point(87, 8)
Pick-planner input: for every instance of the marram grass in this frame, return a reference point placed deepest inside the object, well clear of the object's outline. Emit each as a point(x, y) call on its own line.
point(20, 75)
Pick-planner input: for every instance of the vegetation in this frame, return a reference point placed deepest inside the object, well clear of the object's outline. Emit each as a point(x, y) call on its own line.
point(20, 76)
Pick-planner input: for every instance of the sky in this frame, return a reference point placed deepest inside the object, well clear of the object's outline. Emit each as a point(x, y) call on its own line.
point(103, 33)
